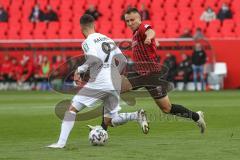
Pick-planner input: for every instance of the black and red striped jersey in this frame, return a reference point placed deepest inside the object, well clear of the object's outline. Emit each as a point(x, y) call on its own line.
point(144, 56)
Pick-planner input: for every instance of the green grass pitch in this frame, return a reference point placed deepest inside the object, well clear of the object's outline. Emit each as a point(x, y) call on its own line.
point(28, 123)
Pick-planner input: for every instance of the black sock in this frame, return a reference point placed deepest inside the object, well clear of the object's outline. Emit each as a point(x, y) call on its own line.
point(104, 126)
point(181, 111)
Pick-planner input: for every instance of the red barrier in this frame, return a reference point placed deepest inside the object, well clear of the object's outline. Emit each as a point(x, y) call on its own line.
point(229, 51)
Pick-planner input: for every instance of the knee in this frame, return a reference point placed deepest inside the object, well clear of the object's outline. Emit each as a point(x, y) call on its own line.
point(166, 109)
point(72, 109)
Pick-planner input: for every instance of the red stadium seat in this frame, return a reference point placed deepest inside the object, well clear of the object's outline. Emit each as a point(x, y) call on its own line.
point(128, 33)
point(172, 29)
point(92, 2)
point(236, 18)
point(159, 29)
point(52, 30)
point(197, 4)
point(145, 2)
point(211, 3)
point(165, 16)
point(27, 8)
point(119, 25)
point(185, 15)
point(214, 34)
point(39, 31)
point(170, 4)
point(158, 16)
point(156, 5)
point(29, 2)
point(237, 30)
point(186, 25)
point(67, 4)
point(228, 23)
point(200, 24)
point(227, 29)
point(65, 30)
point(161, 35)
point(171, 16)
point(77, 34)
point(118, 33)
point(220, 2)
point(105, 27)
point(213, 29)
point(132, 3)
point(43, 3)
point(172, 33)
point(65, 34)
point(54, 3)
point(3, 30)
point(104, 8)
point(5, 3)
point(13, 32)
point(26, 31)
point(183, 3)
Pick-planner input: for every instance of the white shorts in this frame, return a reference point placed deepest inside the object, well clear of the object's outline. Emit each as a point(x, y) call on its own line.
point(88, 97)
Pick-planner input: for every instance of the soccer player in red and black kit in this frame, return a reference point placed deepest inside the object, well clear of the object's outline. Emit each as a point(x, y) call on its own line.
point(145, 58)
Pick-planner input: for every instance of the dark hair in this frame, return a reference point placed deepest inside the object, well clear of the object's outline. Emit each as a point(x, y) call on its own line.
point(86, 19)
point(131, 10)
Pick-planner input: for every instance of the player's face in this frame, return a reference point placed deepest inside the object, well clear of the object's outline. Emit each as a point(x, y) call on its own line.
point(133, 20)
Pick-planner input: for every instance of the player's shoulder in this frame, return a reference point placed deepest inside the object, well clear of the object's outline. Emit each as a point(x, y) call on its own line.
point(145, 26)
point(85, 46)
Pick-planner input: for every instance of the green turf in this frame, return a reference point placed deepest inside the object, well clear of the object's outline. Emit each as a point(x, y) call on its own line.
point(28, 123)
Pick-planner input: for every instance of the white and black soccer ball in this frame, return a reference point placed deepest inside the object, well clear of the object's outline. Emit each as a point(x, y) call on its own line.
point(97, 136)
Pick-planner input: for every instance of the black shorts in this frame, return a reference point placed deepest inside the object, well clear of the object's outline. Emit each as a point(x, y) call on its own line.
point(156, 91)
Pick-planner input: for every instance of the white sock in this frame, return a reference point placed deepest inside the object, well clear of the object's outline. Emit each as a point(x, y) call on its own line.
point(67, 125)
point(124, 118)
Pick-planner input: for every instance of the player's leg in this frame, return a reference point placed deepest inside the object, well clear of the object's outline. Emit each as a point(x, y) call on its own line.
point(162, 100)
point(125, 87)
point(113, 118)
point(117, 119)
point(69, 120)
point(181, 111)
point(201, 68)
point(66, 127)
point(194, 67)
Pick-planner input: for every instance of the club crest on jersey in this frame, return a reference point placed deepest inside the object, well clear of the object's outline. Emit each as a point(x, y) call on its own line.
point(85, 47)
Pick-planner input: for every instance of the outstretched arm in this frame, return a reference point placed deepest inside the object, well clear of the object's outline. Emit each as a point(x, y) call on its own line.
point(150, 34)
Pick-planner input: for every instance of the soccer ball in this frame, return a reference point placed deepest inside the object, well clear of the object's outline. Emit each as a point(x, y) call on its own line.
point(97, 136)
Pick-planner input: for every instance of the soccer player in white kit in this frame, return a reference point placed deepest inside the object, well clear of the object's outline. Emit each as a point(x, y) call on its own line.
point(105, 62)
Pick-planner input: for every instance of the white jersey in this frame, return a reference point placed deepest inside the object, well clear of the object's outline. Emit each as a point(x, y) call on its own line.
point(96, 45)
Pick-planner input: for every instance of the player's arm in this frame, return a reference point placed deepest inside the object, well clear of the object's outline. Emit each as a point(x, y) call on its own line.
point(91, 60)
point(122, 61)
point(150, 34)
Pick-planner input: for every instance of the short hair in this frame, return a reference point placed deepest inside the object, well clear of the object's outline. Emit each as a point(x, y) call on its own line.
point(132, 10)
point(87, 20)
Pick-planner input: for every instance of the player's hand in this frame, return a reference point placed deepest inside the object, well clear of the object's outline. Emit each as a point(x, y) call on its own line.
point(77, 79)
point(148, 41)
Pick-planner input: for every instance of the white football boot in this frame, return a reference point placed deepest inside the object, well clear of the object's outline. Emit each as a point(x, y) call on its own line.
point(201, 123)
point(56, 145)
point(143, 122)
